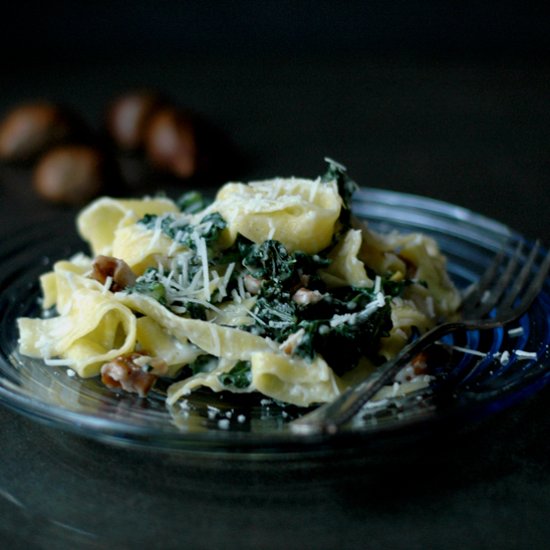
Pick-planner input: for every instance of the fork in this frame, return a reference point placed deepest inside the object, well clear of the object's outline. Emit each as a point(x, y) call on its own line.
point(501, 295)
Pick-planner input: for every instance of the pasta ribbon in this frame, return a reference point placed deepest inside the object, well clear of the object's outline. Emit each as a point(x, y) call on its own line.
point(98, 222)
point(346, 268)
point(299, 213)
point(93, 330)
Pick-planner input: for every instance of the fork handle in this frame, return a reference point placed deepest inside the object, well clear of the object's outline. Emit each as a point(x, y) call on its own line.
point(329, 417)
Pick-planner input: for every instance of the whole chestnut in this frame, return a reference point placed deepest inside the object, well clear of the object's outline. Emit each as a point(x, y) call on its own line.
point(171, 144)
point(29, 129)
point(71, 174)
point(127, 117)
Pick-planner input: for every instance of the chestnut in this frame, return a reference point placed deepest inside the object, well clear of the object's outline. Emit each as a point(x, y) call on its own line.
point(71, 174)
point(171, 144)
point(127, 117)
point(29, 129)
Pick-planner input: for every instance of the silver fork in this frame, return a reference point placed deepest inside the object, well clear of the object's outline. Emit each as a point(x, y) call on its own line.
point(501, 295)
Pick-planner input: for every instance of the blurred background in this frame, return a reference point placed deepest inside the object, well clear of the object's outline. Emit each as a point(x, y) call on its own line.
point(445, 99)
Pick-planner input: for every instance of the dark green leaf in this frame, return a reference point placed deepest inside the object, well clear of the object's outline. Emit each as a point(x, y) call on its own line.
point(211, 226)
point(203, 363)
point(192, 202)
point(149, 285)
point(270, 260)
point(346, 186)
point(240, 376)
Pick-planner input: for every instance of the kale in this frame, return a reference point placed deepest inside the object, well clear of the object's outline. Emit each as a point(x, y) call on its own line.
point(240, 376)
point(343, 344)
point(209, 228)
point(203, 363)
point(341, 327)
point(307, 266)
point(281, 270)
point(346, 186)
point(309, 263)
point(269, 260)
point(191, 202)
point(395, 288)
point(167, 224)
point(276, 314)
point(149, 285)
point(195, 310)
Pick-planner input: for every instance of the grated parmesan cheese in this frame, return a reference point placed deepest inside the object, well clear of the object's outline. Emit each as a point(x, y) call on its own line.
point(515, 332)
point(526, 355)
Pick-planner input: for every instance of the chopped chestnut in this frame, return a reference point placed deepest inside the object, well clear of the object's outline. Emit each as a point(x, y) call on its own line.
point(119, 272)
point(420, 363)
point(129, 374)
point(252, 284)
point(305, 296)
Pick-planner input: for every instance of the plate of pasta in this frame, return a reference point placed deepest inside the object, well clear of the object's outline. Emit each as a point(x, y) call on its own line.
point(210, 325)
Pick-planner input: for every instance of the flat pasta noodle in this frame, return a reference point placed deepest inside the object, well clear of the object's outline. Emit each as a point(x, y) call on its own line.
point(294, 380)
point(156, 342)
point(59, 284)
point(98, 222)
point(276, 375)
point(299, 213)
point(93, 330)
point(346, 268)
point(213, 339)
point(142, 248)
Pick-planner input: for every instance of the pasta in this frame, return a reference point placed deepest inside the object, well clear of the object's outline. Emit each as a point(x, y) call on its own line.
point(272, 288)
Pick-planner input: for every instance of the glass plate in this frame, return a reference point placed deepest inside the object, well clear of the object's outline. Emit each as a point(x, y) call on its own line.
point(466, 387)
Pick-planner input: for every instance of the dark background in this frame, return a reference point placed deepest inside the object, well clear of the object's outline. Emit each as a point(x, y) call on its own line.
point(447, 99)
point(444, 99)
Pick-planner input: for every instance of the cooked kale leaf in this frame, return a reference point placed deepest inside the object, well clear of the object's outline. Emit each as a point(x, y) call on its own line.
point(343, 344)
point(240, 376)
point(395, 288)
point(191, 202)
point(269, 260)
point(203, 363)
point(209, 228)
point(149, 285)
point(346, 186)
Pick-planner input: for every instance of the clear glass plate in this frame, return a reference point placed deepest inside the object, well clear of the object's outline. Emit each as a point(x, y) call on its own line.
point(467, 386)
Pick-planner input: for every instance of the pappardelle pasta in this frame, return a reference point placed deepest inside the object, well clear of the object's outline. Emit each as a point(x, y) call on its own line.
point(274, 287)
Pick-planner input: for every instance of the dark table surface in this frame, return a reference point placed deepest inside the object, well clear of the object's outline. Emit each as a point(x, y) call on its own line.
point(474, 132)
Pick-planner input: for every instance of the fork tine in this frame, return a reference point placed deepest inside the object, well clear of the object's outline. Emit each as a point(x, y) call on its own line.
point(533, 289)
point(521, 279)
point(475, 291)
point(491, 297)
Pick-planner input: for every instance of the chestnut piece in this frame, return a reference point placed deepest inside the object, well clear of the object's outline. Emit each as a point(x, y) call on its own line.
point(127, 117)
point(170, 143)
point(124, 372)
point(118, 270)
point(71, 174)
point(28, 130)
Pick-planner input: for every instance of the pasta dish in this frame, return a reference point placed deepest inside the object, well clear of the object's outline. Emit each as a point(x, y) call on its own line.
point(272, 288)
